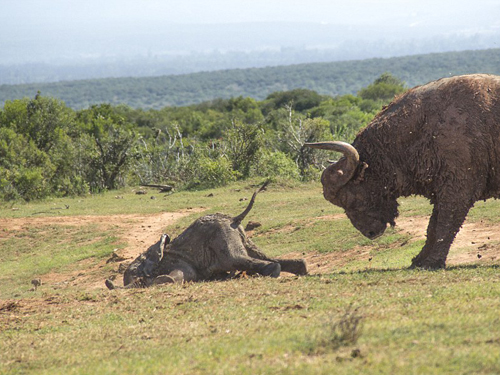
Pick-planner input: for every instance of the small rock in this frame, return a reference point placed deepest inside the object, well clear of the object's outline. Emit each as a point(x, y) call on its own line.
point(356, 353)
point(210, 195)
point(115, 258)
point(36, 283)
point(141, 192)
point(252, 225)
point(243, 199)
point(153, 197)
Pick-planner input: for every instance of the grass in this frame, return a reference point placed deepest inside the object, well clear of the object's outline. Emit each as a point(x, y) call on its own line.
point(413, 321)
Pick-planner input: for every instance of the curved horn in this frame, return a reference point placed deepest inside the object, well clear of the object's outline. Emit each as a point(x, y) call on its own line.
point(350, 153)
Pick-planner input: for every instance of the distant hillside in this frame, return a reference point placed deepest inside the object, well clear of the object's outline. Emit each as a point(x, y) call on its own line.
point(333, 79)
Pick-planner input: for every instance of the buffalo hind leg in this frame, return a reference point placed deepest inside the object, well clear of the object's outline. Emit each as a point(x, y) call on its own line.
point(257, 266)
point(295, 266)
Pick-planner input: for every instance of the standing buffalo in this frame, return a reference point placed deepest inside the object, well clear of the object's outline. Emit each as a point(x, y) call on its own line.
point(213, 247)
point(440, 140)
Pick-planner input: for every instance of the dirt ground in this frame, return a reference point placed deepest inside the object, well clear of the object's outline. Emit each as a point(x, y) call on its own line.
point(476, 242)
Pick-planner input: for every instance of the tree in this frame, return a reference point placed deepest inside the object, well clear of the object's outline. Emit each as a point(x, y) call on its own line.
point(25, 171)
point(296, 131)
point(384, 88)
point(301, 100)
point(243, 143)
point(113, 140)
point(42, 134)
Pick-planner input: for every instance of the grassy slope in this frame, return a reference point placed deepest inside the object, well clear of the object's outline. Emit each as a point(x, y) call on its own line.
point(413, 321)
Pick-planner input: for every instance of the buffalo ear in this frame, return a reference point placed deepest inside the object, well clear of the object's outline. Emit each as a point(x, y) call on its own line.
point(361, 174)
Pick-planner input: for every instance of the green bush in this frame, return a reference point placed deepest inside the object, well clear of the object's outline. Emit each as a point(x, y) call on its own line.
point(209, 173)
point(30, 183)
point(276, 164)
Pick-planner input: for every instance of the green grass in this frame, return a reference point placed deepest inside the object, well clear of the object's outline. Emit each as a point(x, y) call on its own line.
point(412, 321)
point(32, 252)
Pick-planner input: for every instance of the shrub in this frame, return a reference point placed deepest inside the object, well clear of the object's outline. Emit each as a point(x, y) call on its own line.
point(209, 173)
point(340, 332)
point(276, 164)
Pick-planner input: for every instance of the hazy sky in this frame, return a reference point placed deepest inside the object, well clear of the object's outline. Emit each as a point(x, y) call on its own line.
point(104, 13)
point(42, 30)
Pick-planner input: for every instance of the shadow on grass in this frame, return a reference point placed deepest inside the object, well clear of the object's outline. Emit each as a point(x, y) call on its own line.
point(374, 271)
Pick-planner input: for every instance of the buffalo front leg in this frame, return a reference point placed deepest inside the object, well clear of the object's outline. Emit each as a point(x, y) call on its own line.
point(444, 225)
point(176, 276)
point(140, 282)
point(429, 243)
point(182, 272)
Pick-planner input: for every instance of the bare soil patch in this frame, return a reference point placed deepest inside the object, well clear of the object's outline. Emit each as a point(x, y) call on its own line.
point(137, 231)
point(477, 242)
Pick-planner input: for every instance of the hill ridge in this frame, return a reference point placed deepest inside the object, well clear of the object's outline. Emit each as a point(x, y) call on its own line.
point(328, 78)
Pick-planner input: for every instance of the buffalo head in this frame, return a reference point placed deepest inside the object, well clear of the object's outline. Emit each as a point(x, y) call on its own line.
point(365, 199)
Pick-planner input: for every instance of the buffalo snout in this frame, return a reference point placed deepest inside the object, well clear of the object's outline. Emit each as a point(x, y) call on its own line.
point(371, 227)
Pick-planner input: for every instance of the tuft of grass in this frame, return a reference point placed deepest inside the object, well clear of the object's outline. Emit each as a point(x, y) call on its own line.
point(34, 252)
point(338, 332)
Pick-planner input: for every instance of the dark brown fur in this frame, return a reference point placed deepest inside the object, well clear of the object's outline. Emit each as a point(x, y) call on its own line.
point(441, 141)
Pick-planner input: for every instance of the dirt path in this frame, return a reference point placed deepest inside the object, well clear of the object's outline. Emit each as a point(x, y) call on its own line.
point(137, 231)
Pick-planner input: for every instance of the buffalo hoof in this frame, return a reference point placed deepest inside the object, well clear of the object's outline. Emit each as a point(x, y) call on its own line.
point(272, 269)
point(428, 264)
point(300, 268)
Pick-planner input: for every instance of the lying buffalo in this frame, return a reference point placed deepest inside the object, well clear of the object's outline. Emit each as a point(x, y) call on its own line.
point(440, 140)
point(213, 247)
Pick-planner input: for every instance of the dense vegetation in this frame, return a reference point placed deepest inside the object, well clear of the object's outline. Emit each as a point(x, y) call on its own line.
point(48, 149)
point(337, 78)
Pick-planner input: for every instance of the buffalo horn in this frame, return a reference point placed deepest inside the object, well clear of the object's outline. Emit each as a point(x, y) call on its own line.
point(350, 153)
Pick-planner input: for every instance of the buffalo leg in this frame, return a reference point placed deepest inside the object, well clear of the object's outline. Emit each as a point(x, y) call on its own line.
point(444, 225)
point(176, 276)
point(182, 272)
point(257, 266)
point(430, 241)
point(140, 282)
point(295, 266)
